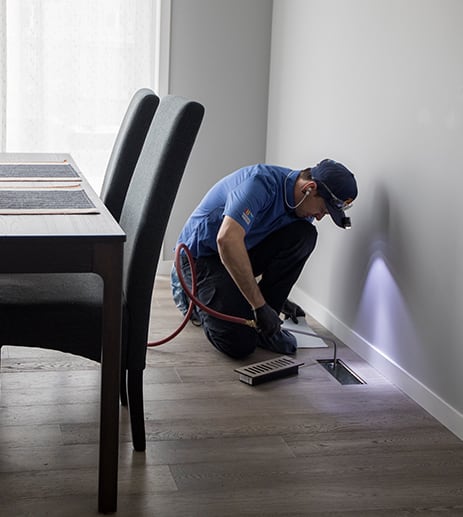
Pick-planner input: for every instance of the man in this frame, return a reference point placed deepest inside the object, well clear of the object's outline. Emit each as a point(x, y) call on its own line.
point(250, 237)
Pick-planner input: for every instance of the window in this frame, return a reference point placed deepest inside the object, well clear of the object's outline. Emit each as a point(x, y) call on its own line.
point(69, 69)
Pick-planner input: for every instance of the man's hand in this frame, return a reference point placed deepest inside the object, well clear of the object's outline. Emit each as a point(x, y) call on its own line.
point(267, 320)
point(292, 310)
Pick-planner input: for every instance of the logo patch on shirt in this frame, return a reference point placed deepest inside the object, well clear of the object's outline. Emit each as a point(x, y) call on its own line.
point(247, 216)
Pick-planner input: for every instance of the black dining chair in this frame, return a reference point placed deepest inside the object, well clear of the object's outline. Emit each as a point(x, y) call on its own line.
point(123, 160)
point(144, 218)
point(126, 149)
point(63, 311)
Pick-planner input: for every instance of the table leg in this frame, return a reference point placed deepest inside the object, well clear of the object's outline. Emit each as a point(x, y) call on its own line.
point(108, 264)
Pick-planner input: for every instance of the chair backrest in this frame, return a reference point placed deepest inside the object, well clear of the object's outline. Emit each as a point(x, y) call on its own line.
point(147, 208)
point(126, 150)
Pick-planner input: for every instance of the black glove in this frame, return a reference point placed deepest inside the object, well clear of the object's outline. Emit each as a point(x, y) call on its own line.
point(291, 310)
point(267, 320)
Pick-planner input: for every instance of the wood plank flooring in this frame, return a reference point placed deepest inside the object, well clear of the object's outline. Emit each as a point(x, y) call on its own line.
point(299, 446)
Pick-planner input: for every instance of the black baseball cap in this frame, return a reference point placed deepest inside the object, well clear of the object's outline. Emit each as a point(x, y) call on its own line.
point(337, 186)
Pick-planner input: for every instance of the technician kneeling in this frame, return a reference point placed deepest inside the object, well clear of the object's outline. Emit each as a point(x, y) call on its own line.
point(256, 223)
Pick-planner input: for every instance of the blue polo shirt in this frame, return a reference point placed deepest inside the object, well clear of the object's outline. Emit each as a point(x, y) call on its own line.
point(253, 196)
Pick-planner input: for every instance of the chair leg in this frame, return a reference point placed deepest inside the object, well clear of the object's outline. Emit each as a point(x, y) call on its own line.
point(123, 387)
point(137, 415)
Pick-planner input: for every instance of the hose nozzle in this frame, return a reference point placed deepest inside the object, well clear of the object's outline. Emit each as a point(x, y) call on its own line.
point(251, 323)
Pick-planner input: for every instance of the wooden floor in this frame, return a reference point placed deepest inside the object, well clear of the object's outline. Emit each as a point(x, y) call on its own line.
point(299, 446)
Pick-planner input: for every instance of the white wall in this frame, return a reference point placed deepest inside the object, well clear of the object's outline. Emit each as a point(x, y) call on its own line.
point(219, 56)
point(378, 85)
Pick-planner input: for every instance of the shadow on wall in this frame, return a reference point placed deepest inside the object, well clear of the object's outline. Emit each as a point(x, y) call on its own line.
point(378, 309)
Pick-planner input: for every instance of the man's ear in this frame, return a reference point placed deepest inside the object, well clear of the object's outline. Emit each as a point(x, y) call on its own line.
point(309, 185)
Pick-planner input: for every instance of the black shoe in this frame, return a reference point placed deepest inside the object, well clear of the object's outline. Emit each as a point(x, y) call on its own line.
point(292, 310)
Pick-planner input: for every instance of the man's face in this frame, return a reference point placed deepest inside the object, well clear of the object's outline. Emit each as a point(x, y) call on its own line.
point(312, 206)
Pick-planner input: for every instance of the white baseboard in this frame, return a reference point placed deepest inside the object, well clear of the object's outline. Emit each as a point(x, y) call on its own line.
point(164, 267)
point(415, 389)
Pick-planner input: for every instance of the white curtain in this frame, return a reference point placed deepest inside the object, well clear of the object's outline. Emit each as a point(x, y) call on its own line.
point(2, 74)
point(69, 69)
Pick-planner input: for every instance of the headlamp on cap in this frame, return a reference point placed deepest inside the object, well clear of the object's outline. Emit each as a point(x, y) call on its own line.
point(346, 223)
point(331, 177)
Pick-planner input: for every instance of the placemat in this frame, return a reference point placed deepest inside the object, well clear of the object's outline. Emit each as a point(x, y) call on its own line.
point(61, 171)
point(48, 201)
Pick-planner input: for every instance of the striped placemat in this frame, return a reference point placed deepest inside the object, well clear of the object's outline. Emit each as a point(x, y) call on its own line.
point(46, 201)
point(57, 171)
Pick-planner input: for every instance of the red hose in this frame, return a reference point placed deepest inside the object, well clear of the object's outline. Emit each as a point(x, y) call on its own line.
point(191, 293)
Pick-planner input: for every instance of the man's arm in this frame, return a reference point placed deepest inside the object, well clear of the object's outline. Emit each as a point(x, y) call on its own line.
point(235, 258)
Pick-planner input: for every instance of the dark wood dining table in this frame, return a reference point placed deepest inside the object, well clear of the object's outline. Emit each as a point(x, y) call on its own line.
point(68, 243)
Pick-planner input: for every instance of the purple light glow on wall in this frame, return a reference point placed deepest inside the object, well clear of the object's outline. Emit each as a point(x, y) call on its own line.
point(383, 318)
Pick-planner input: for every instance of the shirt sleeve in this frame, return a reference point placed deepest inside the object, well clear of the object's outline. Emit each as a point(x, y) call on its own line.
point(246, 202)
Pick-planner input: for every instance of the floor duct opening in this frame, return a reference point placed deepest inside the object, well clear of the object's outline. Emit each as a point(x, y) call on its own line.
point(340, 371)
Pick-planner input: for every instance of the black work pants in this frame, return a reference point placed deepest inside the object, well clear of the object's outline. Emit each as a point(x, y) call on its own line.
point(278, 260)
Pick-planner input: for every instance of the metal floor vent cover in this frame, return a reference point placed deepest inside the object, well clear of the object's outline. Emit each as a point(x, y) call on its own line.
point(268, 370)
